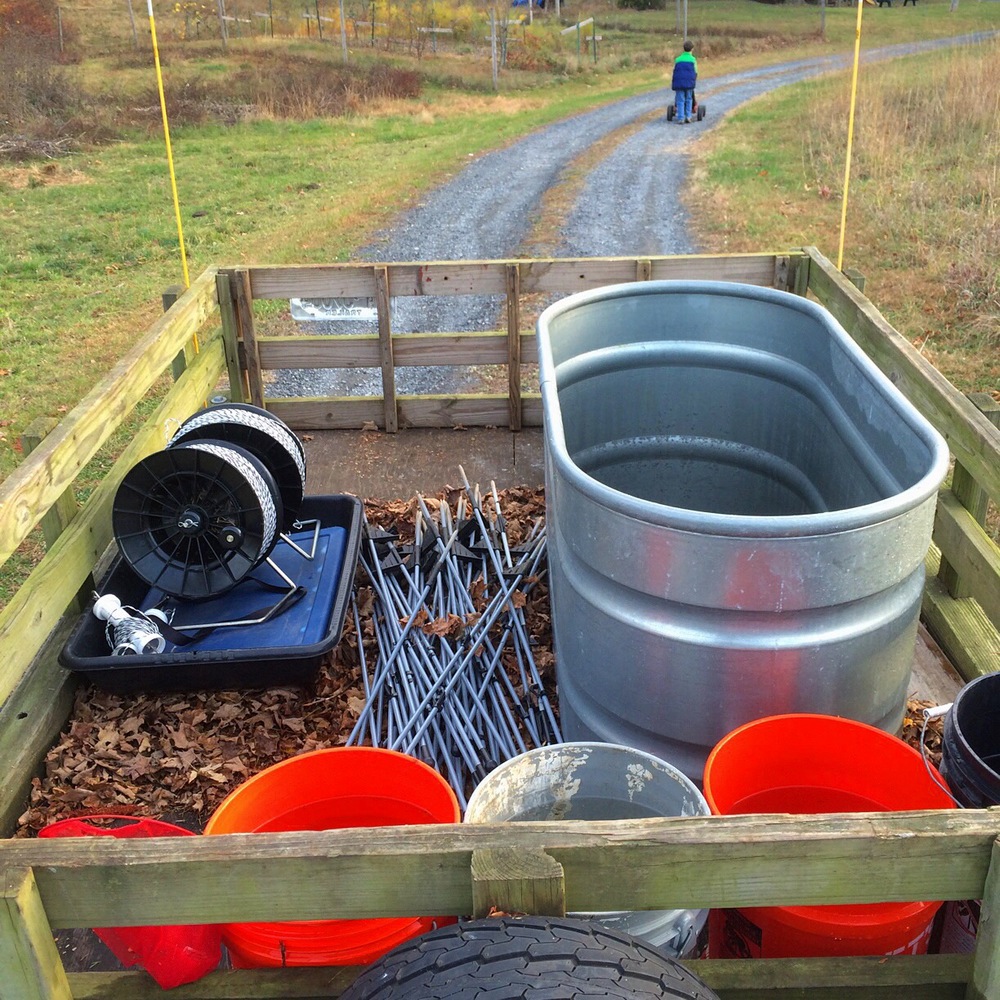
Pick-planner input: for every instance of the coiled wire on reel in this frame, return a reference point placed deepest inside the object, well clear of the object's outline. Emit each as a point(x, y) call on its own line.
point(195, 519)
point(262, 434)
point(129, 631)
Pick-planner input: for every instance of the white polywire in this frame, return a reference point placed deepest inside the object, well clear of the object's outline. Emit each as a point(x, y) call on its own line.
point(931, 772)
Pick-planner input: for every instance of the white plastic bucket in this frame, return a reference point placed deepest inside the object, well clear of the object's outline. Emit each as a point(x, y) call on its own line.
point(597, 781)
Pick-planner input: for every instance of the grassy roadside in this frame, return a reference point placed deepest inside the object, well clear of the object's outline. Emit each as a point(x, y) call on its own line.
point(89, 240)
point(923, 220)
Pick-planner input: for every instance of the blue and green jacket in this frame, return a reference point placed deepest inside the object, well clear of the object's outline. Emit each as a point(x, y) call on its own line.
point(685, 72)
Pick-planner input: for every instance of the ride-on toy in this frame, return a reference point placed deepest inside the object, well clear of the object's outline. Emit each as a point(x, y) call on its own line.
point(697, 109)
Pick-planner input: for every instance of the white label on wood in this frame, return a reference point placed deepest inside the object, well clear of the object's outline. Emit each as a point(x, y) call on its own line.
point(310, 310)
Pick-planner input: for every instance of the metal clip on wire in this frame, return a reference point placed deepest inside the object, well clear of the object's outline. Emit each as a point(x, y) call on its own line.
point(129, 632)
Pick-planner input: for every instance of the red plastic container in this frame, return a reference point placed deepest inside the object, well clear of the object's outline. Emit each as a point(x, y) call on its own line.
point(817, 764)
point(324, 790)
point(172, 955)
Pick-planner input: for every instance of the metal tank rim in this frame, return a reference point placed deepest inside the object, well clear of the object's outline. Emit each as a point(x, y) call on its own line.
point(736, 525)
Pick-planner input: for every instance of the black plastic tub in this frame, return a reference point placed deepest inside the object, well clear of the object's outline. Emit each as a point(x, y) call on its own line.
point(970, 743)
point(285, 650)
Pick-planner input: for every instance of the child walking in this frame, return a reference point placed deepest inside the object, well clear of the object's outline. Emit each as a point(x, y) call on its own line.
point(683, 82)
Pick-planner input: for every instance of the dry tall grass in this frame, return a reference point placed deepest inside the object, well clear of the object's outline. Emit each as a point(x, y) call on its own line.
point(926, 172)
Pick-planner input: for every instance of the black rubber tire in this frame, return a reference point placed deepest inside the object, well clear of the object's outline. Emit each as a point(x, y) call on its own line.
point(701, 111)
point(504, 958)
point(671, 112)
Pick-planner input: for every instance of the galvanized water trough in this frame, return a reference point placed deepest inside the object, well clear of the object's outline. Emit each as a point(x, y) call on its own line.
point(739, 506)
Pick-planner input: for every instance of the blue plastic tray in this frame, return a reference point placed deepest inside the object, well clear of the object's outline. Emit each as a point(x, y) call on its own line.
point(288, 649)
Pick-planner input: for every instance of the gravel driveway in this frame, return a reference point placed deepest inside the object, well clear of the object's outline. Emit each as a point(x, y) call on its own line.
point(631, 203)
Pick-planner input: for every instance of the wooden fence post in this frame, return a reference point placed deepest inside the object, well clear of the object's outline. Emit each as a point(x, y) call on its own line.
point(513, 281)
point(62, 512)
point(985, 981)
point(169, 297)
point(514, 881)
point(970, 494)
point(239, 391)
point(855, 277)
point(32, 968)
point(382, 305)
point(239, 283)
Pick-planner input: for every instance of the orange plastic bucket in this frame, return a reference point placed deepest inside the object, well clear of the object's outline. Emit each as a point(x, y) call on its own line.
point(817, 764)
point(325, 790)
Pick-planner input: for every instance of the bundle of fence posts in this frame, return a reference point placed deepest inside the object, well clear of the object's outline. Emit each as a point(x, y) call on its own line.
point(455, 682)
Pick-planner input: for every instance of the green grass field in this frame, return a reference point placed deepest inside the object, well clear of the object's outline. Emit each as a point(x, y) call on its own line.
point(89, 238)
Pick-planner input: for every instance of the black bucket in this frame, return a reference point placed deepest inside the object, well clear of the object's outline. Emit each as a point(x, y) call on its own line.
point(970, 751)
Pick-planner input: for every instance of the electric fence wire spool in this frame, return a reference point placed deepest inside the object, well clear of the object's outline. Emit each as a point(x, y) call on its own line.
point(195, 519)
point(263, 435)
point(129, 631)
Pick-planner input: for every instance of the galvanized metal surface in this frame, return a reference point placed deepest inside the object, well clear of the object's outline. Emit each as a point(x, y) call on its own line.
point(739, 504)
point(593, 781)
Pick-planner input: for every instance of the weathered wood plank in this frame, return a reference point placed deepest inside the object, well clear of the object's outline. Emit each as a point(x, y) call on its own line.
point(971, 495)
point(309, 413)
point(347, 412)
point(408, 349)
point(780, 278)
point(313, 281)
point(931, 977)
point(985, 981)
point(974, 556)
point(168, 298)
point(239, 286)
point(924, 977)
point(32, 488)
point(511, 881)
point(239, 391)
point(62, 512)
point(514, 346)
point(390, 414)
point(488, 277)
point(29, 961)
point(339, 351)
point(485, 410)
point(321, 281)
point(30, 721)
point(609, 865)
point(798, 277)
point(40, 601)
point(959, 625)
point(239, 984)
point(65, 508)
point(575, 275)
point(973, 440)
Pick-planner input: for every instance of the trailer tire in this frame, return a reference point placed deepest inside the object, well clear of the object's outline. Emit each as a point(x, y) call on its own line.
point(504, 958)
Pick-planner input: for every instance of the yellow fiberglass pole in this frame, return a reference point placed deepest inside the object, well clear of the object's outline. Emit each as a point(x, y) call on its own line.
point(166, 136)
point(850, 136)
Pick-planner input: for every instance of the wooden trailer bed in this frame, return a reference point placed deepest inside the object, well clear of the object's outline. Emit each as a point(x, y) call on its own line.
point(209, 333)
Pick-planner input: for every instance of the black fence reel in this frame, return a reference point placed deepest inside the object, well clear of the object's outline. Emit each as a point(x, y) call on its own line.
point(194, 520)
